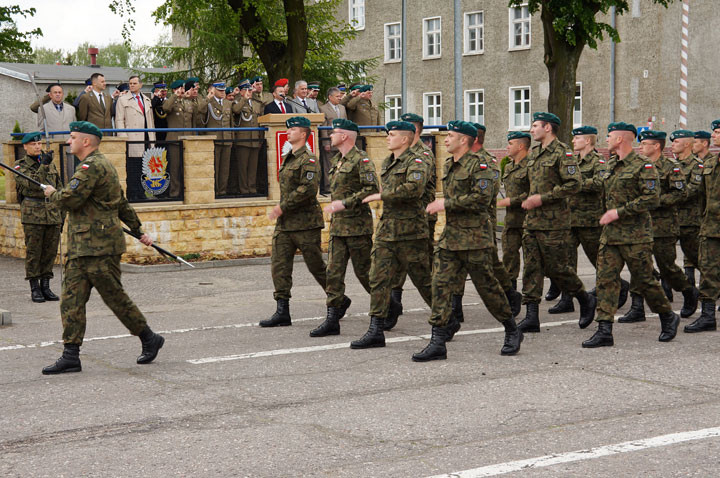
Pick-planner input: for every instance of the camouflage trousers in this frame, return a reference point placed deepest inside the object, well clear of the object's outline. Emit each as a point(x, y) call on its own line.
point(611, 260)
point(690, 244)
point(388, 259)
point(401, 276)
point(342, 249)
point(449, 272)
point(284, 246)
point(511, 247)
point(498, 270)
point(41, 248)
point(545, 255)
point(709, 265)
point(589, 238)
point(80, 275)
point(664, 250)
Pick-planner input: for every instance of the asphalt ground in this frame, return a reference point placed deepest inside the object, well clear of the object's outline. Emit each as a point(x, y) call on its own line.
point(228, 398)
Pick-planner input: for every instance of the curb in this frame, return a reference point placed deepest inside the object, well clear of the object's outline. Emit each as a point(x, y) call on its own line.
point(250, 261)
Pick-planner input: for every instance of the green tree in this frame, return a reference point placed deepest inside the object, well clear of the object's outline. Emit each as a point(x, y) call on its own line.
point(48, 56)
point(14, 44)
point(568, 27)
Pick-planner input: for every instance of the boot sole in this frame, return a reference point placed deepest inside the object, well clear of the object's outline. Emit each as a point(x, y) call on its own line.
point(438, 357)
point(324, 334)
point(563, 311)
point(693, 331)
point(360, 347)
point(595, 346)
point(530, 331)
point(282, 324)
point(67, 370)
point(632, 321)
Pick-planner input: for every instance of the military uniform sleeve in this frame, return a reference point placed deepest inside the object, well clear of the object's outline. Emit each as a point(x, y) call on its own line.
point(79, 187)
point(676, 192)
point(480, 194)
point(368, 180)
point(170, 103)
point(590, 184)
point(309, 183)
point(240, 106)
point(353, 103)
point(649, 197)
point(35, 107)
point(127, 214)
point(571, 180)
point(693, 182)
point(416, 176)
point(25, 187)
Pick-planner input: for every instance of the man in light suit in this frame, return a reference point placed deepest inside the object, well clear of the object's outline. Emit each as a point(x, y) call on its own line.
point(332, 110)
point(133, 110)
point(58, 115)
point(301, 102)
point(96, 106)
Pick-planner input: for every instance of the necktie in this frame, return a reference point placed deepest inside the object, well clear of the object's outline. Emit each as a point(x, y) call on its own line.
point(140, 103)
point(59, 108)
point(304, 104)
point(100, 99)
point(282, 108)
point(337, 111)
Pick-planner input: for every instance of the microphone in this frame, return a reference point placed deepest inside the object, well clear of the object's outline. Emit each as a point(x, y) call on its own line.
point(307, 108)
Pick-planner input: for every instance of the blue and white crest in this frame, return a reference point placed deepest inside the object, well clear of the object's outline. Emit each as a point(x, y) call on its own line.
point(483, 183)
point(155, 179)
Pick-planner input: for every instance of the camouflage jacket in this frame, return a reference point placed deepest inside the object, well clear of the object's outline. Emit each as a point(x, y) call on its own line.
point(424, 153)
point(630, 186)
point(689, 209)
point(710, 196)
point(299, 183)
point(672, 191)
point(352, 179)
point(34, 208)
point(96, 204)
point(585, 206)
point(517, 186)
point(403, 184)
point(492, 164)
point(469, 194)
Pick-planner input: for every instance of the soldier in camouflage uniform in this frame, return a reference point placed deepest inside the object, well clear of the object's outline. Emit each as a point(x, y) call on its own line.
point(554, 175)
point(352, 179)
point(41, 220)
point(96, 204)
point(709, 251)
point(401, 235)
point(299, 220)
point(466, 244)
point(630, 190)
point(701, 150)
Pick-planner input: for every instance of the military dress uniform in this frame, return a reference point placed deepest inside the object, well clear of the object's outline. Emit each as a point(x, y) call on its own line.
point(180, 112)
point(516, 188)
point(362, 111)
point(248, 144)
point(217, 113)
point(42, 224)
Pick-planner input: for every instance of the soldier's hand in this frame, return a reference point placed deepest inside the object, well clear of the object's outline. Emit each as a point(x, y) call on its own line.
point(609, 216)
point(46, 157)
point(334, 206)
point(147, 240)
point(88, 89)
point(436, 206)
point(532, 202)
point(275, 212)
point(372, 197)
point(505, 202)
point(48, 191)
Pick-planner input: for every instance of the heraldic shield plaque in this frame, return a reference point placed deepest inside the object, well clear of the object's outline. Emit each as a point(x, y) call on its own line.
point(155, 178)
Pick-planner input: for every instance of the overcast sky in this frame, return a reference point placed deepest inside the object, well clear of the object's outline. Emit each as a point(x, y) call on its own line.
point(68, 23)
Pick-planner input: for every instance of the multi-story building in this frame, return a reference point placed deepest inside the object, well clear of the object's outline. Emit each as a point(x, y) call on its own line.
point(502, 75)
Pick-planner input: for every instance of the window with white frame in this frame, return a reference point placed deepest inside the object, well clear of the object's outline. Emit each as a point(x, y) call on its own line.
point(393, 43)
point(394, 108)
point(431, 38)
point(475, 106)
point(577, 106)
point(432, 108)
point(519, 28)
point(474, 33)
point(519, 108)
point(357, 14)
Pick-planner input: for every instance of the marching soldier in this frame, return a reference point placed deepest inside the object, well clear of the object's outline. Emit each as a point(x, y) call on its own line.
point(41, 220)
point(180, 111)
point(299, 220)
point(466, 244)
point(630, 189)
point(352, 179)
point(96, 204)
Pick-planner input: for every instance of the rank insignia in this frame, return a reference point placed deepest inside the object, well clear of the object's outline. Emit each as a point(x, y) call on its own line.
point(310, 175)
point(417, 175)
point(74, 183)
point(650, 184)
point(483, 166)
point(483, 183)
point(679, 184)
point(571, 169)
point(370, 177)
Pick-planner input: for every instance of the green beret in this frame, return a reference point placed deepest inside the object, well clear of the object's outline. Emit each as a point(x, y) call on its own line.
point(412, 118)
point(255, 79)
point(298, 122)
point(342, 123)
point(229, 90)
point(85, 127)
point(584, 130)
point(715, 124)
point(189, 84)
point(518, 135)
point(176, 84)
point(702, 135)
point(546, 117)
point(651, 134)
point(681, 133)
point(31, 137)
point(355, 86)
point(620, 126)
point(194, 79)
point(365, 88)
point(479, 126)
point(400, 126)
point(463, 127)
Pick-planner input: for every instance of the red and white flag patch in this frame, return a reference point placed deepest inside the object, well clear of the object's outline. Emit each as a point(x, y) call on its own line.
point(676, 170)
point(311, 160)
point(601, 161)
point(483, 166)
point(569, 154)
point(700, 166)
point(86, 166)
point(418, 160)
point(365, 160)
point(17, 167)
point(648, 166)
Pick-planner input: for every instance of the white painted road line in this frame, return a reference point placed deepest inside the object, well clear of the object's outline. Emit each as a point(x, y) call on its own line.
point(579, 455)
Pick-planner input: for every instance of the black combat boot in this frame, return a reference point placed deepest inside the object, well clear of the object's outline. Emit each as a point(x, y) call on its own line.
point(624, 289)
point(452, 328)
point(457, 309)
point(374, 337)
point(602, 338)
point(513, 338)
point(515, 300)
point(593, 291)
point(344, 306)
point(553, 292)
point(668, 326)
point(706, 321)
point(396, 295)
point(514, 284)
point(636, 312)
point(531, 322)
point(281, 317)
point(690, 274)
point(331, 325)
point(395, 310)
point(68, 362)
point(565, 304)
point(667, 289)
point(45, 289)
point(151, 345)
point(587, 308)
point(690, 302)
point(435, 350)
point(35, 292)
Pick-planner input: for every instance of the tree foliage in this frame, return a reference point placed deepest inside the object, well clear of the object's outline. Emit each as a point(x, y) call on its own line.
point(112, 54)
point(15, 45)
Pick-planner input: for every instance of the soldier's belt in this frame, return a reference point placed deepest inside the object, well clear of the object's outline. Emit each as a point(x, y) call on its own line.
point(25, 198)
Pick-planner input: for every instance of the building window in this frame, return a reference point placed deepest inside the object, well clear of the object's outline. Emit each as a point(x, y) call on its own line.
point(357, 14)
point(520, 108)
point(577, 107)
point(474, 33)
point(394, 108)
point(520, 28)
point(393, 43)
point(432, 108)
point(431, 38)
point(475, 106)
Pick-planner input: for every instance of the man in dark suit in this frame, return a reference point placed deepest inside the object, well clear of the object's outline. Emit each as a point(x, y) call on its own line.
point(278, 105)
